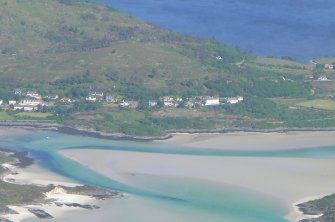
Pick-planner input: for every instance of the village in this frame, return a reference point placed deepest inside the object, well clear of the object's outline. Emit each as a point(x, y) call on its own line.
point(32, 101)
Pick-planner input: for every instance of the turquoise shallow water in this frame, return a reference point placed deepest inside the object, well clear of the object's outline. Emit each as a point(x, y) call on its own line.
point(184, 199)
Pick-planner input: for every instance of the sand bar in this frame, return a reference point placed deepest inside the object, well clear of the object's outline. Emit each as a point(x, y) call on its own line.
point(289, 180)
point(253, 141)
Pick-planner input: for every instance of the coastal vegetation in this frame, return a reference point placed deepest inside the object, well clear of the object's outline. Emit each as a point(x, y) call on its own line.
point(34, 196)
point(323, 207)
point(12, 194)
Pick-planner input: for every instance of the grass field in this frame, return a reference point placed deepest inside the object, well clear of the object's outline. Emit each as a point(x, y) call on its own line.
point(324, 60)
point(281, 62)
point(5, 116)
point(281, 69)
point(319, 104)
point(34, 115)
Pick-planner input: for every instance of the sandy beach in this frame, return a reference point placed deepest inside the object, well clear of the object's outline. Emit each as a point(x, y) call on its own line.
point(288, 180)
point(36, 175)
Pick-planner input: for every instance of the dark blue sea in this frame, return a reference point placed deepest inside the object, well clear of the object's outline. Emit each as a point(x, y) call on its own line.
point(303, 29)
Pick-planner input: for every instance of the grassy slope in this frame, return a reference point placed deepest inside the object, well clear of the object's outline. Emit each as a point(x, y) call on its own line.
point(35, 31)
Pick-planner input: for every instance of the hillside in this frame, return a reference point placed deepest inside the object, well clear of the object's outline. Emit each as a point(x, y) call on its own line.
point(74, 47)
point(43, 41)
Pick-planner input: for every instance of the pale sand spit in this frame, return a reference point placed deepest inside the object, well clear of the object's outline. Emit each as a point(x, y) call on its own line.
point(252, 141)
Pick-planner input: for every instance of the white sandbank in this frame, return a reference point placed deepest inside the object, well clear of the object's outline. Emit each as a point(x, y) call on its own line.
point(288, 180)
point(252, 140)
point(35, 175)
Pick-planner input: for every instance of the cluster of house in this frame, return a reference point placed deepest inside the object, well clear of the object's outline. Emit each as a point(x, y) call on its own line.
point(167, 101)
point(323, 78)
point(198, 101)
point(95, 96)
point(32, 101)
point(328, 66)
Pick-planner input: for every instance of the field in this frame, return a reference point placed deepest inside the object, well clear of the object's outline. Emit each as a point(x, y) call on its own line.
point(319, 104)
point(325, 60)
point(277, 65)
point(34, 115)
point(5, 116)
point(281, 62)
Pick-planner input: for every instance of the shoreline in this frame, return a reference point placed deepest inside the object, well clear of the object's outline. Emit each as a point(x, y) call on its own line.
point(169, 133)
point(61, 195)
point(299, 214)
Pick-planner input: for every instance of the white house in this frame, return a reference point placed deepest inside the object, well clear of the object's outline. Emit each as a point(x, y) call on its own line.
point(91, 98)
point(152, 103)
point(27, 105)
point(329, 66)
point(240, 98)
point(96, 93)
point(34, 95)
point(169, 101)
point(28, 102)
point(12, 102)
point(234, 100)
point(124, 103)
point(178, 99)
point(95, 96)
point(323, 78)
point(25, 108)
point(212, 101)
point(52, 97)
point(66, 100)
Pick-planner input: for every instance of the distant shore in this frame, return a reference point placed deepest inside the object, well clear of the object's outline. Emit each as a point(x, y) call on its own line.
point(169, 133)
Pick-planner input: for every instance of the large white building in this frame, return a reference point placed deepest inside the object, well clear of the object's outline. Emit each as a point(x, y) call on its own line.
point(212, 101)
point(234, 100)
point(27, 105)
point(12, 102)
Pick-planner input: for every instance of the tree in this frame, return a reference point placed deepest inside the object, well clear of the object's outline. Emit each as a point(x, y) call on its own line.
point(318, 71)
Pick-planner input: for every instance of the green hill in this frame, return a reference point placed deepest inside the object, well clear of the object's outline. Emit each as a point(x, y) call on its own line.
point(71, 47)
point(43, 41)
